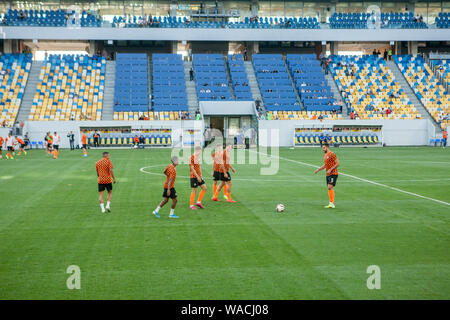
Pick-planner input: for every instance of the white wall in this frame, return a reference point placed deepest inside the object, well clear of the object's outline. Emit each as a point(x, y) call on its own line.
point(174, 34)
point(394, 132)
point(38, 129)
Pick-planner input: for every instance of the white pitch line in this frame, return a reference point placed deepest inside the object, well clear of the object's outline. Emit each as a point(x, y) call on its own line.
point(360, 179)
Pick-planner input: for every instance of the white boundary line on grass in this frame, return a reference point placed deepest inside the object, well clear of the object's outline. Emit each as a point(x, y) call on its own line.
point(360, 179)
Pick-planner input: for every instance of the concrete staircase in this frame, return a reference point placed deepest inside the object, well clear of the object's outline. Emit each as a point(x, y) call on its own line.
point(191, 91)
point(252, 80)
point(30, 90)
point(230, 82)
point(337, 94)
point(108, 99)
point(410, 93)
point(299, 100)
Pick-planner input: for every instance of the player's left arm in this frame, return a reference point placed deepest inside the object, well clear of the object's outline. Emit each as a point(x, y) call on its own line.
point(232, 169)
point(112, 173)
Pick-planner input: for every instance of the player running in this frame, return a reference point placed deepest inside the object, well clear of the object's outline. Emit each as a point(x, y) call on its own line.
point(9, 146)
point(225, 177)
point(169, 190)
point(331, 164)
point(84, 144)
point(56, 141)
point(196, 179)
point(106, 176)
point(22, 146)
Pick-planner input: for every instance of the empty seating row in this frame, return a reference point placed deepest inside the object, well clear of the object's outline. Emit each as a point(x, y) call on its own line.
point(272, 75)
point(169, 85)
point(131, 85)
point(239, 78)
point(150, 115)
point(442, 20)
point(306, 139)
point(14, 71)
point(70, 87)
point(153, 140)
point(211, 77)
point(310, 82)
point(355, 20)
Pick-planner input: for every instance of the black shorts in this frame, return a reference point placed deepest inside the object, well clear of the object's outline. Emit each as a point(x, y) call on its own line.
point(332, 179)
point(84, 146)
point(22, 145)
point(49, 145)
point(103, 186)
point(10, 149)
point(216, 175)
point(173, 193)
point(222, 177)
point(56, 147)
point(195, 183)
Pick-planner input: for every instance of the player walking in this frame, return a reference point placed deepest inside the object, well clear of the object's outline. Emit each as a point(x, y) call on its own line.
point(169, 190)
point(56, 141)
point(225, 177)
point(196, 179)
point(49, 143)
point(217, 161)
point(331, 164)
point(106, 176)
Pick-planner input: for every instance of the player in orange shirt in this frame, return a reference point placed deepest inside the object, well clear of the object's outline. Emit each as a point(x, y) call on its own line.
point(84, 144)
point(22, 146)
point(217, 162)
point(196, 179)
point(331, 164)
point(1, 146)
point(225, 177)
point(169, 190)
point(105, 174)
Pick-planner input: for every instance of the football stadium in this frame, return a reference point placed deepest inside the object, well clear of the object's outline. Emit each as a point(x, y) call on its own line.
point(224, 150)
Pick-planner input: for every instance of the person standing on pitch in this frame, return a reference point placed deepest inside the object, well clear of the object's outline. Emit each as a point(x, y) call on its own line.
point(331, 164)
point(105, 174)
point(84, 144)
point(196, 179)
point(225, 177)
point(56, 140)
point(96, 139)
point(1, 146)
point(71, 137)
point(169, 190)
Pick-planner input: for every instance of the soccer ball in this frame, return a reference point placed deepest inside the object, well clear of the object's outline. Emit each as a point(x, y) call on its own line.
point(135, 146)
point(280, 208)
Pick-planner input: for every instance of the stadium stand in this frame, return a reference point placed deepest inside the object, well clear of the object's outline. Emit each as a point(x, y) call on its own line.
point(310, 82)
point(241, 86)
point(426, 86)
point(211, 77)
point(160, 138)
point(131, 87)
point(169, 86)
point(247, 23)
point(70, 88)
point(354, 20)
point(370, 87)
point(49, 18)
point(442, 21)
point(14, 71)
point(274, 83)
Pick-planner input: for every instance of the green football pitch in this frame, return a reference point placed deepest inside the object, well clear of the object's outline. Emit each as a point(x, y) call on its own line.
point(392, 211)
